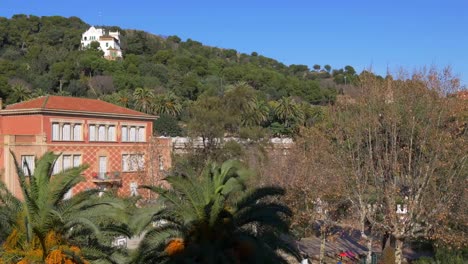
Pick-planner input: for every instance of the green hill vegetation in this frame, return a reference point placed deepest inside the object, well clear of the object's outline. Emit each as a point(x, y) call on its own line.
point(164, 76)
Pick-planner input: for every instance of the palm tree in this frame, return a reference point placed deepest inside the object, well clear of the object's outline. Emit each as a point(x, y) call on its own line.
point(124, 98)
point(256, 114)
point(143, 98)
point(288, 111)
point(43, 225)
point(167, 104)
point(19, 92)
point(213, 219)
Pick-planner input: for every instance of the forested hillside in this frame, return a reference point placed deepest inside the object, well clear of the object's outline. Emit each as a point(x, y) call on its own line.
point(165, 76)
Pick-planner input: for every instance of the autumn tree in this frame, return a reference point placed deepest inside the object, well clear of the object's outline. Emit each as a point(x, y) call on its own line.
point(314, 189)
point(400, 155)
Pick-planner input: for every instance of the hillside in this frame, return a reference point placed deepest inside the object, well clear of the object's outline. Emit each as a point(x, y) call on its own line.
point(40, 55)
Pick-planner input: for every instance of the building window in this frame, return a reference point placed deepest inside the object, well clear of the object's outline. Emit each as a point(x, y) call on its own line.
point(141, 134)
point(161, 162)
point(65, 162)
point(124, 134)
point(111, 133)
point(70, 161)
point(77, 132)
point(133, 134)
point(76, 160)
point(102, 133)
point(92, 133)
point(55, 131)
point(66, 132)
point(132, 162)
point(27, 164)
point(132, 137)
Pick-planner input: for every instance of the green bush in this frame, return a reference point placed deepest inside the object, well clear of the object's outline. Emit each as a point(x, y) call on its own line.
point(446, 256)
point(167, 125)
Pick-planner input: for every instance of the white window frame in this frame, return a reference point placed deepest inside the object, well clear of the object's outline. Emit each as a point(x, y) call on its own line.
point(28, 161)
point(76, 160)
point(66, 132)
point(141, 132)
point(60, 165)
point(111, 133)
point(161, 162)
point(55, 131)
point(67, 162)
point(92, 132)
point(102, 131)
point(77, 132)
point(124, 135)
point(132, 134)
point(133, 162)
point(57, 166)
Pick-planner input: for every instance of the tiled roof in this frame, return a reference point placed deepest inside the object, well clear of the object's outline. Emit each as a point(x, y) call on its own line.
point(74, 104)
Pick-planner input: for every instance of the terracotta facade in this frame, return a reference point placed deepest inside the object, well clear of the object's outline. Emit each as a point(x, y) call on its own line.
point(117, 144)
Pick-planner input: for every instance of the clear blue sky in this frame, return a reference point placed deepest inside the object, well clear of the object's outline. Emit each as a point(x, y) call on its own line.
point(362, 33)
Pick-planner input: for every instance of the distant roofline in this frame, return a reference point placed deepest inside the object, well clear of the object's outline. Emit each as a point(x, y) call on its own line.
point(43, 109)
point(74, 113)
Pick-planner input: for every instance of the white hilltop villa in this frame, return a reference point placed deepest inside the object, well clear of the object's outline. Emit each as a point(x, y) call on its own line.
point(109, 42)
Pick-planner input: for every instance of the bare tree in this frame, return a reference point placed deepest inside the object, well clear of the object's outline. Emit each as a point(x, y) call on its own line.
point(315, 191)
point(400, 155)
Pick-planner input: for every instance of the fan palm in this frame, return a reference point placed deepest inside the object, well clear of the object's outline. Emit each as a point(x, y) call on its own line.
point(167, 104)
point(212, 219)
point(143, 98)
point(256, 114)
point(288, 111)
point(43, 224)
point(19, 93)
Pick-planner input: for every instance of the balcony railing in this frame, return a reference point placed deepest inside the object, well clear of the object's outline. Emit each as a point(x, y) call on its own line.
point(109, 178)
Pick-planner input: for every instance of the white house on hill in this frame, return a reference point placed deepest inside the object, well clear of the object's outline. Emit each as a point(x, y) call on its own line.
point(109, 42)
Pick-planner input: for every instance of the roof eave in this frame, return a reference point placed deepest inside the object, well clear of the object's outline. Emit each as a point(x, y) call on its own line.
point(75, 113)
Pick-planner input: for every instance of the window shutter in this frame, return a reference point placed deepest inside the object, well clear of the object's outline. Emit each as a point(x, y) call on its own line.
point(92, 133)
point(111, 133)
point(77, 132)
point(141, 162)
point(124, 134)
point(76, 160)
point(132, 134)
point(102, 133)
point(67, 162)
point(125, 162)
point(141, 134)
point(66, 132)
point(55, 131)
point(27, 162)
point(57, 166)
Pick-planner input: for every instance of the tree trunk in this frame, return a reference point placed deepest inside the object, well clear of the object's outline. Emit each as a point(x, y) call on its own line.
point(322, 247)
point(399, 251)
point(369, 249)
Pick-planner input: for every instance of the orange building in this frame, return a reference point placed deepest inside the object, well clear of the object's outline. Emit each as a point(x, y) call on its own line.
point(115, 142)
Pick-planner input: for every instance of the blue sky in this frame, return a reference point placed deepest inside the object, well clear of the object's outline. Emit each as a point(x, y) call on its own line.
point(382, 34)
